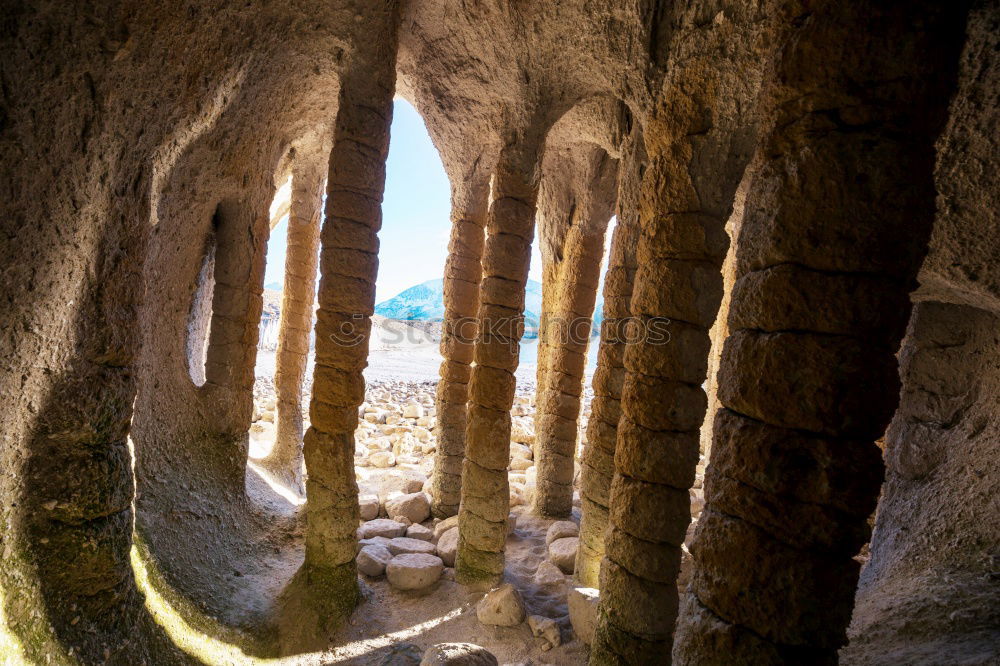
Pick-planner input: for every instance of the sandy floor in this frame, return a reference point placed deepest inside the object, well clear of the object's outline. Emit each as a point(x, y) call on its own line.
point(446, 612)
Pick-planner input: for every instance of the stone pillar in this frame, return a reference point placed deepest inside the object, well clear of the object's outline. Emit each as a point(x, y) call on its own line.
point(485, 492)
point(698, 141)
point(236, 301)
point(836, 222)
point(240, 228)
point(597, 464)
point(568, 309)
point(348, 268)
point(462, 273)
point(285, 459)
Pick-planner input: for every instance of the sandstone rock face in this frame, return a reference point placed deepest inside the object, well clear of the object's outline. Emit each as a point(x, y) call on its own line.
point(506, 256)
point(602, 428)
point(501, 606)
point(845, 152)
point(578, 184)
point(463, 271)
point(298, 294)
point(413, 571)
point(927, 473)
point(415, 506)
point(372, 559)
point(458, 654)
point(848, 342)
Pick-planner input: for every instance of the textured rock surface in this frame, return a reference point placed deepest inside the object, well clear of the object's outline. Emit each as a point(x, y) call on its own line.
point(413, 571)
point(401, 545)
point(447, 546)
point(562, 553)
point(792, 369)
point(382, 527)
point(546, 630)
point(582, 602)
point(485, 491)
point(548, 574)
point(415, 507)
point(372, 559)
point(941, 452)
point(458, 654)
point(308, 177)
point(560, 530)
point(501, 606)
point(575, 203)
point(141, 146)
point(602, 428)
point(676, 293)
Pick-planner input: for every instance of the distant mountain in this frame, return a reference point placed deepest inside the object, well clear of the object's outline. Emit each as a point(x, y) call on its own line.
point(425, 302)
point(275, 286)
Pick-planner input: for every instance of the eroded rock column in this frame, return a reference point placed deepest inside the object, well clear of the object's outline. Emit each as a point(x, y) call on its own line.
point(572, 287)
point(677, 290)
point(485, 492)
point(348, 268)
point(597, 464)
point(240, 228)
point(835, 226)
point(285, 459)
point(462, 273)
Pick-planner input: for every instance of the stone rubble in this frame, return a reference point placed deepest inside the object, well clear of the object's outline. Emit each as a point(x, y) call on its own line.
point(562, 553)
point(502, 606)
point(546, 629)
point(373, 559)
point(414, 571)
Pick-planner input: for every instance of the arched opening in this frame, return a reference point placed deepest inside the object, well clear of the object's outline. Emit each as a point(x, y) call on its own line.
point(200, 315)
point(395, 429)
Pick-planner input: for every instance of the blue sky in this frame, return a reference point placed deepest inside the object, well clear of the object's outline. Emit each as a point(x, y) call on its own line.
point(415, 213)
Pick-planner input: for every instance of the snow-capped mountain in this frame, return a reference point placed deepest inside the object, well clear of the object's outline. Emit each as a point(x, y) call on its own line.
point(425, 302)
